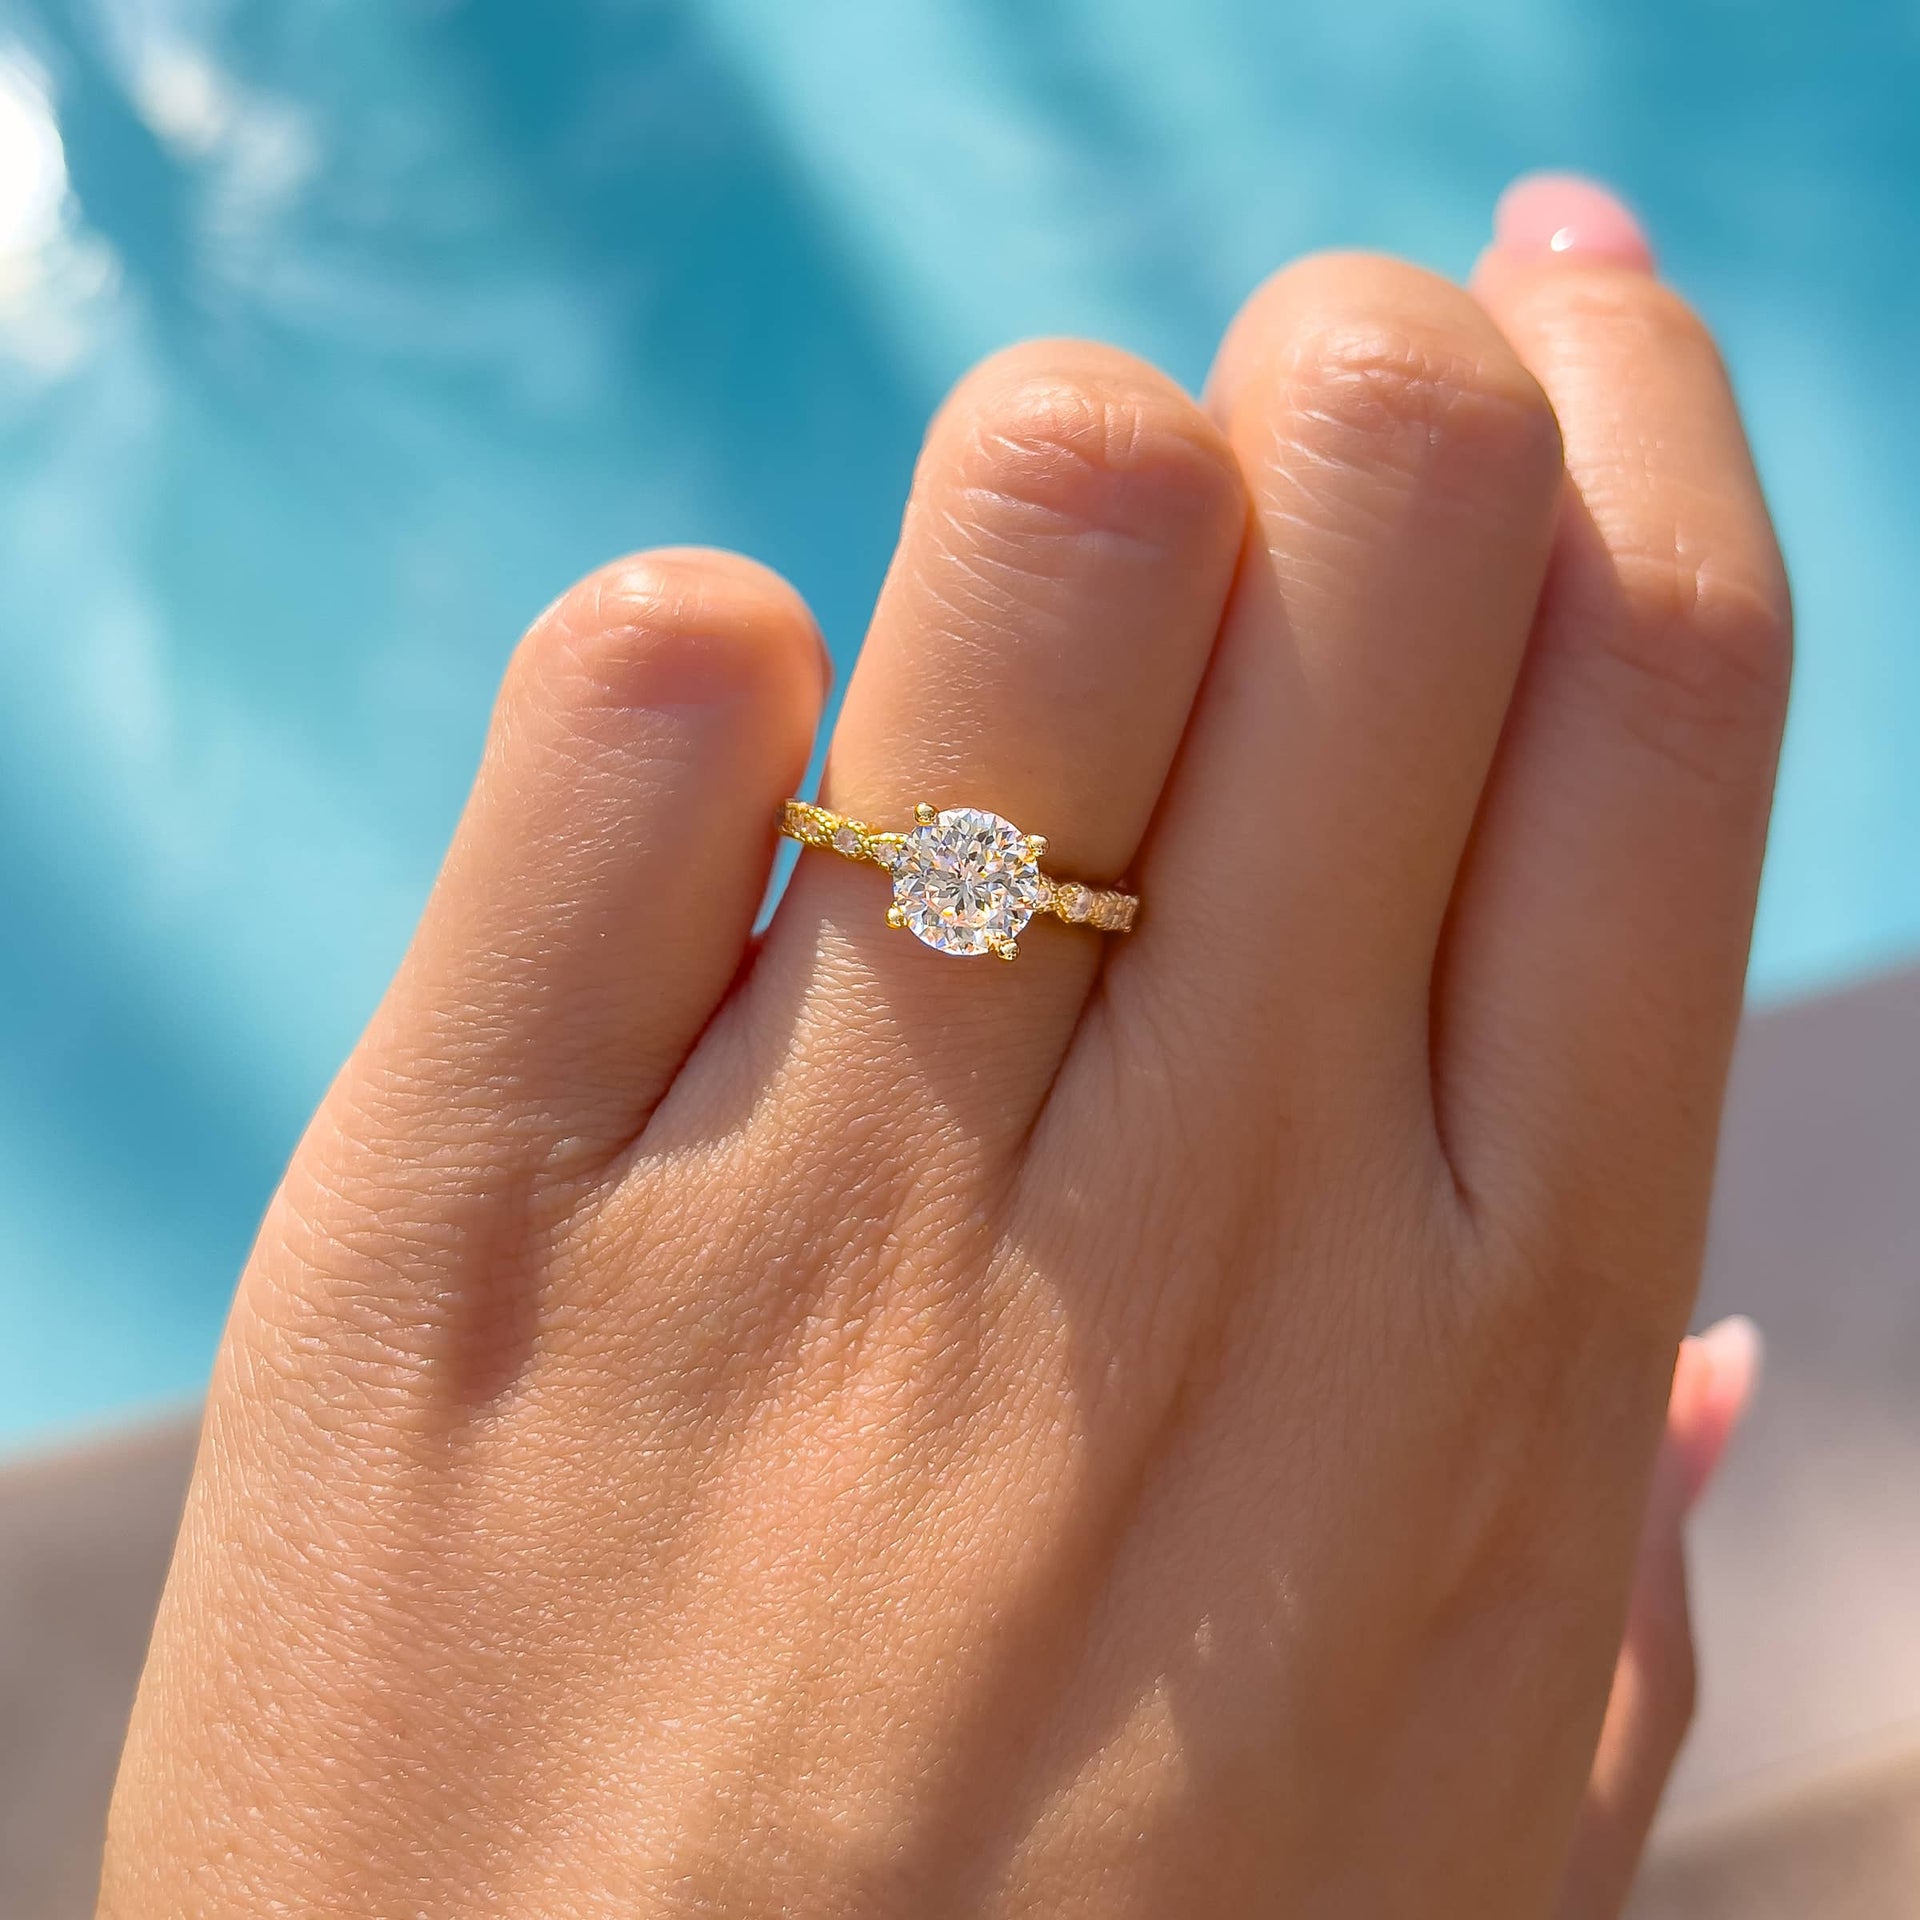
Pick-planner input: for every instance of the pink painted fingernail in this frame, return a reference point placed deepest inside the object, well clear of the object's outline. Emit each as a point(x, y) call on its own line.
point(1562, 215)
point(1722, 1368)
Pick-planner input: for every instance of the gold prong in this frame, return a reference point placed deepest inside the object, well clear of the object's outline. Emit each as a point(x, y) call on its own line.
point(925, 814)
point(896, 918)
point(1006, 950)
point(1036, 845)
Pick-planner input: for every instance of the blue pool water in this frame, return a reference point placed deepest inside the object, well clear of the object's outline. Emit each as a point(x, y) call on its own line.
point(334, 338)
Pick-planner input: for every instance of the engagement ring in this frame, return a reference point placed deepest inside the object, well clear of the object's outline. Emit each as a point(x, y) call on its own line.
point(964, 881)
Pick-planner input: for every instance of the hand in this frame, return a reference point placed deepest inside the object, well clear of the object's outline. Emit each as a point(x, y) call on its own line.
point(1163, 1427)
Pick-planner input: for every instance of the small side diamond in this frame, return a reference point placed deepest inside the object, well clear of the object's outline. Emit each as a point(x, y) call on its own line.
point(1075, 903)
point(846, 841)
point(890, 853)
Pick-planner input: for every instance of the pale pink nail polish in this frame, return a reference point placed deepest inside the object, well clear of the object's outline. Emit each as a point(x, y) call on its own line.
point(1723, 1365)
point(1739, 1351)
point(1561, 215)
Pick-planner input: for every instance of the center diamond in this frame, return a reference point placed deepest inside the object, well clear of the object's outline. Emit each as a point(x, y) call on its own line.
point(966, 881)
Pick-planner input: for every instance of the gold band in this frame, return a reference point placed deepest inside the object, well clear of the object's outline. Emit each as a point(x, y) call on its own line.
point(1101, 908)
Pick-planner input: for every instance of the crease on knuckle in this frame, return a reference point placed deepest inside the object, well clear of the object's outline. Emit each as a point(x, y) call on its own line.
point(1697, 654)
point(587, 646)
point(1412, 402)
point(1688, 634)
point(632, 602)
point(1625, 320)
point(1058, 458)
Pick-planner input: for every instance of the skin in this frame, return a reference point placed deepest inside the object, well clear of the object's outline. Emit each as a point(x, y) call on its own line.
point(809, 1425)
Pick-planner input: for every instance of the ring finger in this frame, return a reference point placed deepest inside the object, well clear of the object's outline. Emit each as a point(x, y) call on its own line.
point(1065, 556)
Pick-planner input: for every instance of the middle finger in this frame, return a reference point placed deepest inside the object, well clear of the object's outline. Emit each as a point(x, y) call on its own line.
point(1405, 470)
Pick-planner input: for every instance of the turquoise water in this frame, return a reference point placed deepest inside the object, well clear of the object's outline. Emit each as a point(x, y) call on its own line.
point(334, 338)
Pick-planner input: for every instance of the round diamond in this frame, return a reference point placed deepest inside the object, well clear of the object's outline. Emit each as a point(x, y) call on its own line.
point(1076, 902)
point(846, 841)
point(966, 882)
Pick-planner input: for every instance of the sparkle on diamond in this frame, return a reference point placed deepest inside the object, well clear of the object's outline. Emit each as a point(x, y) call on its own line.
point(966, 882)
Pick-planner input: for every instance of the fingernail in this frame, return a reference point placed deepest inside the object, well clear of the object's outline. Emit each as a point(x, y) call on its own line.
point(1738, 1350)
point(1563, 215)
point(1724, 1364)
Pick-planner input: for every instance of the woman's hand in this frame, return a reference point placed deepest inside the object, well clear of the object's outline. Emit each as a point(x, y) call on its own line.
point(1160, 1428)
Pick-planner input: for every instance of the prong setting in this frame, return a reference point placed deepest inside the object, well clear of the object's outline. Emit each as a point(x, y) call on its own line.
point(965, 881)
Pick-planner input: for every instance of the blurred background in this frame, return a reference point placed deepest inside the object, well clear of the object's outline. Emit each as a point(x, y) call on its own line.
point(336, 336)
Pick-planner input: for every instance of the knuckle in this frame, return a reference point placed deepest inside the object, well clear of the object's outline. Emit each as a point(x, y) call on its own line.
point(1624, 320)
point(1076, 441)
point(1410, 395)
point(1679, 599)
point(1724, 621)
point(1372, 364)
point(617, 631)
point(1704, 641)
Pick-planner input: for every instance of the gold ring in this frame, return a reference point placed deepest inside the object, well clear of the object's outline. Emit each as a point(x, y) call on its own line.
point(964, 881)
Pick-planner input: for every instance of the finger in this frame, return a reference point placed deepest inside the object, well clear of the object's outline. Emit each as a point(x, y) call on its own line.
point(1593, 975)
point(1065, 555)
point(1651, 1704)
point(602, 884)
point(1404, 469)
